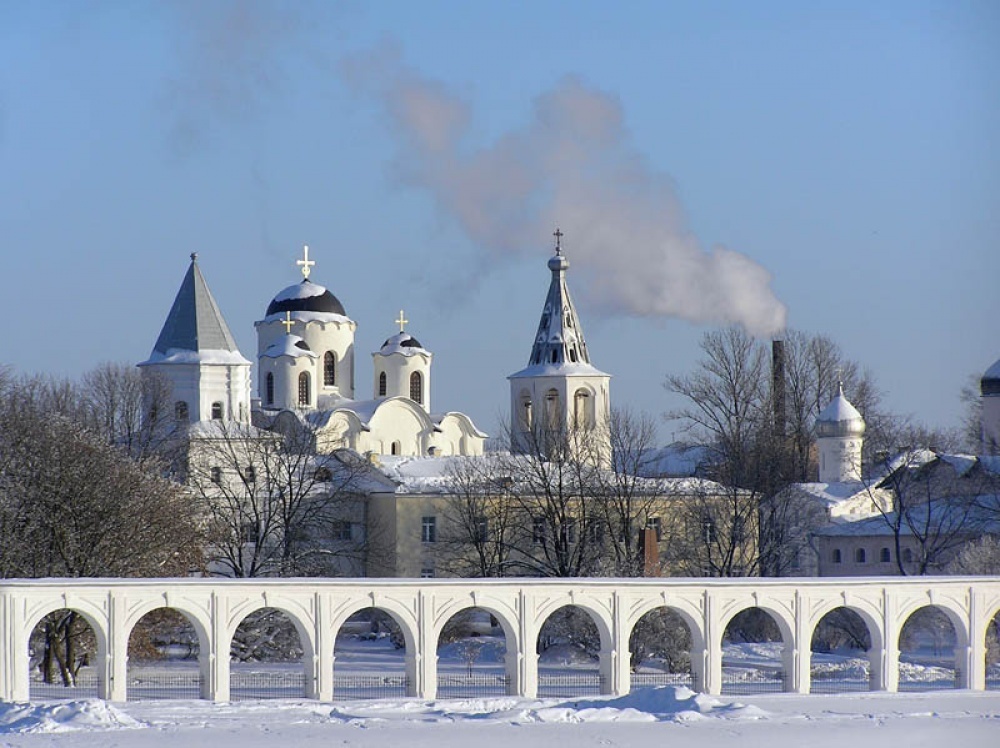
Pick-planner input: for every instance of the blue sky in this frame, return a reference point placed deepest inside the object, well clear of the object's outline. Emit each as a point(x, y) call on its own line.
point(843, 155)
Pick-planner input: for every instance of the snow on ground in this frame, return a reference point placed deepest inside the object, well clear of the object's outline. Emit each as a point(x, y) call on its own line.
point(665, 716)
point(650, 716)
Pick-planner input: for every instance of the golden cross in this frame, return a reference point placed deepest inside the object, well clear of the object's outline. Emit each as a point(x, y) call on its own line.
point(558, 235)
point(402, 321)
point(305, 263)
point(288, 322)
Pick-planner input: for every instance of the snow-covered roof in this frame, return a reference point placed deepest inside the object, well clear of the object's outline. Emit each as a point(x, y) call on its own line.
point(289, 345)
point(195, 331)
point(404, 343)
point(976, 514)
point(305, 316)
point(206, 356)
point(436, 475)
point(675, 460)
point(305, 297)
point(558, 370)
point(832, 494)
point(840, 418)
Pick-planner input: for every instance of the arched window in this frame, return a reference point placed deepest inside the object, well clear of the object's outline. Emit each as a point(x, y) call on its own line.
point(216, 411)
point(329, 369)
point(907, 556)
point(250, 474)
point(860, 556)
point(382, 385)
point(525, 412)
point(181, 410)
point(583, 417)
point(837, 556)
point(269, 394)
point(396, 448)
point(884, 556)
point(216, 474)
point(552, 409)
point(305, 396)
point(417, 387)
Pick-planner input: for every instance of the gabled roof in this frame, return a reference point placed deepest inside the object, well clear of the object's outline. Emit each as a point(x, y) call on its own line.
point(195, 331)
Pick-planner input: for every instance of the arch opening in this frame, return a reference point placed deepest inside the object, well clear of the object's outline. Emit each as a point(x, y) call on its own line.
point(839, 653)
point(163, 658)
point(63, 657)
point(752, 654)
point(266, 657)
point(993, 653)
point(472, 656)
point(660, 650)
point(370, 657)
point(569, 647)
point(928, 651)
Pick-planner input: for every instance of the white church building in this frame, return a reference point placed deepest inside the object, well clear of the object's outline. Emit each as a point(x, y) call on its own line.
point(306, 372)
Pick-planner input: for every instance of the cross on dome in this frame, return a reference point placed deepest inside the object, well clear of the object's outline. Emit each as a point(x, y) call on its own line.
point(558, 234)
point(402, 321)
point(305, 263)
point(288, 322)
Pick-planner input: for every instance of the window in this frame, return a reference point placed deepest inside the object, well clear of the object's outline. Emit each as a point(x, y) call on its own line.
point(525, 412)
point(216, 474)
point(250, 533)
point(838, 557)
point(250, 475)
point(653, 523)
point(538, 530)
point(739, 529)
point(552, 409)
point(428, 529)
point(427, 572)
point(417, 388)
point(269, 389)
point(396, 448)
point(341, 531)
point(217, 411)
point(568, 532)
point(595, 530)
point(708, 530)
point(322, 475)
point(884, 556)
point(860, 556)
point(482, 529)
point(907, 556)
point(329, 370)
point(382, 387)
point(181, 410)
point(581, 410)
point(305, 396)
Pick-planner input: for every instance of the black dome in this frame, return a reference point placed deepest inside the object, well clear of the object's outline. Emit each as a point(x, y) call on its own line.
point(305, 297)
point(403, 340)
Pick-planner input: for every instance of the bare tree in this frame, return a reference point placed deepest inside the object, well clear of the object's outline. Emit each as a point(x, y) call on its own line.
point(272, 506)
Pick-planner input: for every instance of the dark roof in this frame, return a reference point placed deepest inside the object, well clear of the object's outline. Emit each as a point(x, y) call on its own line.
point(194, 322)
point(305, 297)
point(404, 340)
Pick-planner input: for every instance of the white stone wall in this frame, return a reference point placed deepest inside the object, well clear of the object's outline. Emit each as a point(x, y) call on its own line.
point(839, 459)
point(398, 368)
point(318, 608)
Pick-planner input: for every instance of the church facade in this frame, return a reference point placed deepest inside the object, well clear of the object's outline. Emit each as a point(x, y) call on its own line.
point(306, 359)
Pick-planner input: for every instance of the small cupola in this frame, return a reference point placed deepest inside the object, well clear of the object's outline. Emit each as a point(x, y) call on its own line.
point(402, 367)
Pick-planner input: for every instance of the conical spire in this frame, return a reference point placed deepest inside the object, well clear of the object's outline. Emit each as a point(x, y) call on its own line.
point(194, 325)
point(559, 339)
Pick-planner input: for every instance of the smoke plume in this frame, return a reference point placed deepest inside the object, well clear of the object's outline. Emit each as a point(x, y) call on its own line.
point(572, 165)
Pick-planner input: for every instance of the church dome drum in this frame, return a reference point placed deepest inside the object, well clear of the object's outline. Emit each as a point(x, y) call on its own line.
point(990, 383)
point(305, 297)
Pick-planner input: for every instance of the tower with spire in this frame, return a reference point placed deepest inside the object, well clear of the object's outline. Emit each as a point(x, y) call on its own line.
point(989, 388)
point(840, 433)
point(197, 354)
point(560, 393)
